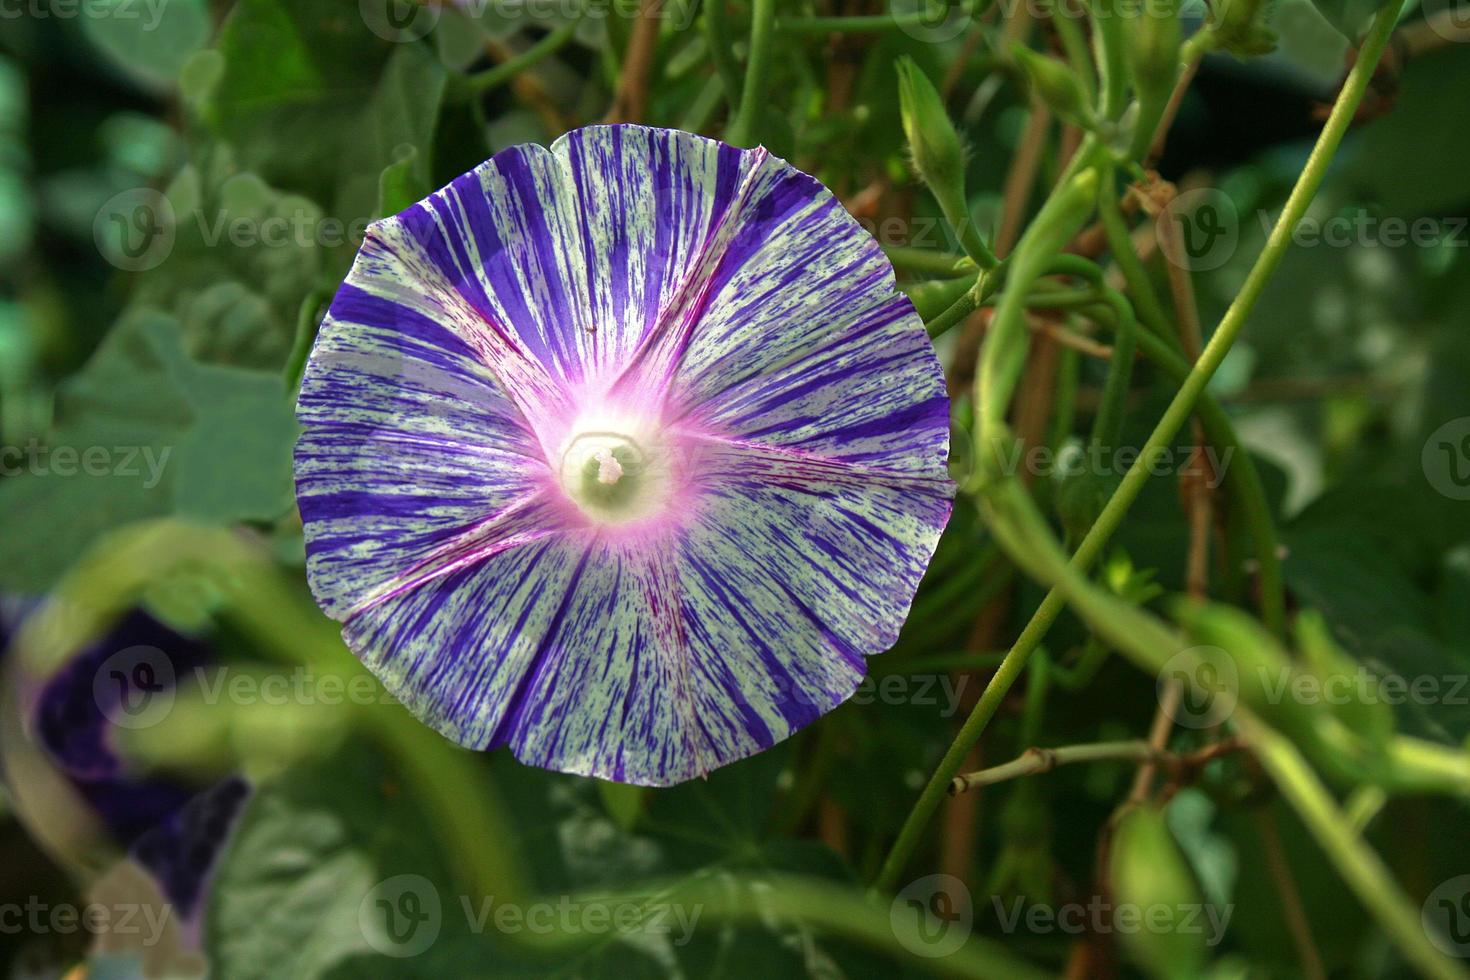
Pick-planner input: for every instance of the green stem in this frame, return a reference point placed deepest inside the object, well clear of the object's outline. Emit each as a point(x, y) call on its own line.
point(834, 910)
point(1110, 43)
point(1174, 418)
point(1362, 869)
point(1036, 760)
point(717, 30)
point(957, 213)
point(1107, 427)
point(742, 131)
point(925, 262)
point(956, 312)
point(1004, 352)
point(1074, 45)
point(863, 24)
point(1244, 478)
point(1120, 243)
point(529, 58)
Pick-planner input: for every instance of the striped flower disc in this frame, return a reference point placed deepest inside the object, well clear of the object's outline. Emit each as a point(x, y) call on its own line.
point(624, 453)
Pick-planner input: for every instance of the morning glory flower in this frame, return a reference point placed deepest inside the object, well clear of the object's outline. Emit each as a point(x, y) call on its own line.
point(624, 453)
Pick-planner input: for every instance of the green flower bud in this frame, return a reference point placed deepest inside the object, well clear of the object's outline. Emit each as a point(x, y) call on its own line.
point(1054, 82)
point(1153, 64)
point(1153, 56)
point(1150, 872)
point(1081, 496)
point(938, 155)
point(1239, 27)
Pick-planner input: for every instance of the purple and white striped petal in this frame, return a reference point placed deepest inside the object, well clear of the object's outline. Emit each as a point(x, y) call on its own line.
point(624, 453)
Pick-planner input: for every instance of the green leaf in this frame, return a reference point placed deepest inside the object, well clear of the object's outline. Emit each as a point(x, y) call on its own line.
point(308, 854)
point(149, 41)
point(165, 434)
point(399, 185)
point(242, 258)
point(317, 104)
point(325, 842)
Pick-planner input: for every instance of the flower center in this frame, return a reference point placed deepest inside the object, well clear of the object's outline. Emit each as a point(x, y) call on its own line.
point(611, 476)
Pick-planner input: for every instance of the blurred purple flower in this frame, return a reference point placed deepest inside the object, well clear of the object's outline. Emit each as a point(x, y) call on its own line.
point(81, 798)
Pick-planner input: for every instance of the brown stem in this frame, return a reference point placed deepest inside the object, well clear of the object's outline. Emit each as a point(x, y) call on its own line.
point(1176, 98)
point(630, 101)
point(1038, 760)
point(1291, 899)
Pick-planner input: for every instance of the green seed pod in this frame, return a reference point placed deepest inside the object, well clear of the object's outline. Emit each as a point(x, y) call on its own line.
point(938, 154)
point(1151, 879)
point(1054, 82)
